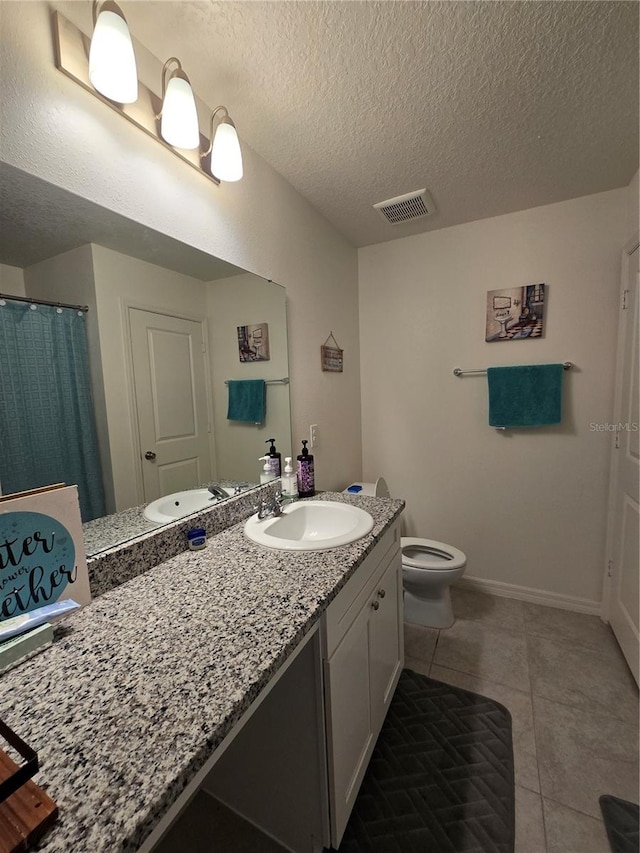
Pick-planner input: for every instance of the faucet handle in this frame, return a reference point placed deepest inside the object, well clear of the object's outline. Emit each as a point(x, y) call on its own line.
point(262, 509)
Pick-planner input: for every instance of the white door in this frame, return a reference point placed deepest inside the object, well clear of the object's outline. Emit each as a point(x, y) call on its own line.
point(624, 523)
point(171, 402)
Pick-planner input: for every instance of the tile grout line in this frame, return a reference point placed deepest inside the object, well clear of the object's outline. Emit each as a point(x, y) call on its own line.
point(572, 808)
point(535, 738)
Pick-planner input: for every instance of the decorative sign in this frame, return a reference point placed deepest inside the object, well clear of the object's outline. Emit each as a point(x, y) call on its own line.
point(42, 556)
point(516, 313)
point(253, 342)
point(331, 358)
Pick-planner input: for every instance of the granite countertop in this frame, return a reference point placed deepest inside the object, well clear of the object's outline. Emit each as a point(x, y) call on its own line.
point(142, 685)
point(111, 530)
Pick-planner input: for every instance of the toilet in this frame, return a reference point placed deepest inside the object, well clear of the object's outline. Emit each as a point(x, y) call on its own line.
point(428, 570)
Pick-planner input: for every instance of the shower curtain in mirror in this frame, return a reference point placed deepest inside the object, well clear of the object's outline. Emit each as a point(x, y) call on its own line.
point(47, 427)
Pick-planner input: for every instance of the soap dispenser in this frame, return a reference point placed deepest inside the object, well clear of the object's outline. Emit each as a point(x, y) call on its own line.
point(275, 458)
point(266, 475)
point(289, 481)
point(306, 475)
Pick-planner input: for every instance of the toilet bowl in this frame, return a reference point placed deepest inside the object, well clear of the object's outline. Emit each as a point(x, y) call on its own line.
point(428, 570)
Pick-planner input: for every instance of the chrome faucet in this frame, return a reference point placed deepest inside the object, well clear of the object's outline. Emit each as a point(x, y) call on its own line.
point(273, 508)
point(217, 492)
point(268, 509)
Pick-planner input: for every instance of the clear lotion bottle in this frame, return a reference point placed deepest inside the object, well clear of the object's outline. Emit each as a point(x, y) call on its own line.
point(266, 475)
point(289, 481)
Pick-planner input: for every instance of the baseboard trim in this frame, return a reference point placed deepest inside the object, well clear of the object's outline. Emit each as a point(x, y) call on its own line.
point(535, 596)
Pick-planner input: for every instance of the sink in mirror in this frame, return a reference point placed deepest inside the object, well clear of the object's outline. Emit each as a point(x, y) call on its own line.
point(59, 247)
point(310, 525)
point(170, 507)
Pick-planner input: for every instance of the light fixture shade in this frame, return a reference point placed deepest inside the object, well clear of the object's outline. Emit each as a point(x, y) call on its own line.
point(112, 63)
point(179, 123)
point(226, 156)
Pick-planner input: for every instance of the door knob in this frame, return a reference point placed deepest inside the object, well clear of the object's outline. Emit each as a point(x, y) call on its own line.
point(375, 604)
point(382, 593)
point(150, 455)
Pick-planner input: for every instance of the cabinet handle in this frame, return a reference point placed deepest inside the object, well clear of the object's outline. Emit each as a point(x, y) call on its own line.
point(375, 604)
point(382, 593)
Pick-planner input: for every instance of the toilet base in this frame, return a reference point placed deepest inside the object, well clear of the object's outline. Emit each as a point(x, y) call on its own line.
point(434, 612)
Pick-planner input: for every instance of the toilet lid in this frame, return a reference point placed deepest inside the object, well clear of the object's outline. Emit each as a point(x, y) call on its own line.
point(429, 554)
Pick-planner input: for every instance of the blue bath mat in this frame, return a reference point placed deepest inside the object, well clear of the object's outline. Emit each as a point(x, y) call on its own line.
point(440, 778)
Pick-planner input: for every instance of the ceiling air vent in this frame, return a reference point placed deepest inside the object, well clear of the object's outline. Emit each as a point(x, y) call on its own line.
point(404, 208)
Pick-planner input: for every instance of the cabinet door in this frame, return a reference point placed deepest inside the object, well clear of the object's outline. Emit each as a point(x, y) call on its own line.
point(385, 643)
point(349, 732)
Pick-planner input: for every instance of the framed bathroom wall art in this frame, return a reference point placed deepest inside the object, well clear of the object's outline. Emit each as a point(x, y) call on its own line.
point(515, 313)
point(253, 342)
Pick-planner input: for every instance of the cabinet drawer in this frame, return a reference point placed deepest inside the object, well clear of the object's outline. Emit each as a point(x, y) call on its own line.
point(344, 609)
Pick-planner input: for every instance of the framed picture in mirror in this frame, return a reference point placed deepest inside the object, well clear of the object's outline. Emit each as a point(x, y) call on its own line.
point(253, 342)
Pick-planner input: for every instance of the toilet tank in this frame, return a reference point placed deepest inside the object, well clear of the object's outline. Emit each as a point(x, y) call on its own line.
point(379, 489)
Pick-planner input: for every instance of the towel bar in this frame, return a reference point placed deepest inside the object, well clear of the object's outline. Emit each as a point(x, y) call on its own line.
point(567, 365)
point(284, 381)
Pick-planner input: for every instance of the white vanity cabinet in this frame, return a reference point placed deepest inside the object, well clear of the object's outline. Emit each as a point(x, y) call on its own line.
point(363, 654)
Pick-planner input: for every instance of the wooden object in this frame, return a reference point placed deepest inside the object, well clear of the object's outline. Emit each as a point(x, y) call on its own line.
point(24, 816)
point(331, 357)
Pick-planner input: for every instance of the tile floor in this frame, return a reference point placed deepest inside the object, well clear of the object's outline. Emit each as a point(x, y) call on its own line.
point(574, 707)
point(573, 702)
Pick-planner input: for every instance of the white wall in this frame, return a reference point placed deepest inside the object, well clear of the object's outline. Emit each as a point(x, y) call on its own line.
point(528, 507)
point(11, 280)
point(260, 224)
point(239, 301)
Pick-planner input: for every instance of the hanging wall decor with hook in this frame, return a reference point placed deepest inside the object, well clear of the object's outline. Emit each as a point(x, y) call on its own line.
point(331, 357)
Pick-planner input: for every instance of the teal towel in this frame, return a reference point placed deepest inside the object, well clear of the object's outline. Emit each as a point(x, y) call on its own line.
point(247, 400)
point(526, 396)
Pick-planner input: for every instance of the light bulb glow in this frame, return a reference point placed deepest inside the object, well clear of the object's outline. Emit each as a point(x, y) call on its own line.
point(179, 123)
point(112, 63)
point(226, 156)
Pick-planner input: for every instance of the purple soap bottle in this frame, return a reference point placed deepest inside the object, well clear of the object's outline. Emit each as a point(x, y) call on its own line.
point(306, 476)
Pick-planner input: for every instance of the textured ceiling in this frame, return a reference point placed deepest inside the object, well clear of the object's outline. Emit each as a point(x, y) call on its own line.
point(39, 220)
point(493, 106)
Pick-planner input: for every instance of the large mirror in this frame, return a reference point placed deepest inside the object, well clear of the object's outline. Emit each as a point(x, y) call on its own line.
point(167, 329)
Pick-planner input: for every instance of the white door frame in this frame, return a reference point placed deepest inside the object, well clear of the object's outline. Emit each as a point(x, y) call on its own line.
point(623, 331)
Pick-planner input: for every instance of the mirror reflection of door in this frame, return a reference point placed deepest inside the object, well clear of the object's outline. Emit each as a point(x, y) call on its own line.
point(171, 402)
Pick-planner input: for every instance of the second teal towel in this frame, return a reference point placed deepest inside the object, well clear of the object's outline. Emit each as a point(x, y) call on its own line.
point(525, 396)
point(247, 400)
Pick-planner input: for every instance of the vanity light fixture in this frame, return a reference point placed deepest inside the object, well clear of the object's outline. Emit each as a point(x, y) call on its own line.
point(112, 62)
point(226, 156)
point(179, 116)
point(172, 119)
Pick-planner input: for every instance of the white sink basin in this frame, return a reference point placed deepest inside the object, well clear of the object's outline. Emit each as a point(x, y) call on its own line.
point(310, 526)
point(180, 504)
